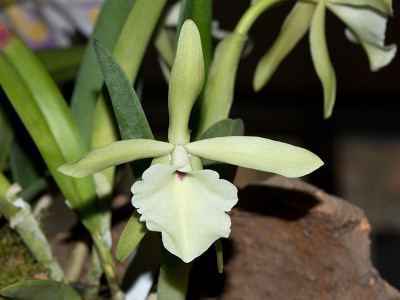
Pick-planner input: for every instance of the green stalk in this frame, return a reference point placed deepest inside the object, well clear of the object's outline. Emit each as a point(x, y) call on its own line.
point(108, 265)
point(252, 14)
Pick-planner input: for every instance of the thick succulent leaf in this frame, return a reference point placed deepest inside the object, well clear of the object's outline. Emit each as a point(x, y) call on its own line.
point(89, 80)
point(47, 118)
point(218, 93)
point(132, 234)
point(383, 5)
point(367, 26)
point(114, 154)
point(187, 76)
point(321, 60)
point(293, 29)
point(128, 110)
point(258, 153)
point(187, 208)
point(39, 289)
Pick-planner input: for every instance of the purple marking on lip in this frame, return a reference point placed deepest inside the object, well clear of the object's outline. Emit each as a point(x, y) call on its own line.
point(181, 175)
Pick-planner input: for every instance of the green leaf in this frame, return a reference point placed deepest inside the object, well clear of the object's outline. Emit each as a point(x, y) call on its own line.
point(201, 15)
point(89, 81)
point(321, 60)
point(62, 64)
point(131, 119)
point(293, 29)
point(218, 93)
point(131, 236)
point(46, 116)
point(135, 35)
point(6, 139)
point(39, 289)
point(257, 153)
point(23, 169)
point(184, 14)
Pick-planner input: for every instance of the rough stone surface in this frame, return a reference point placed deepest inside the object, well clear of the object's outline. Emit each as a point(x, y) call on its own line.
point(291, 240)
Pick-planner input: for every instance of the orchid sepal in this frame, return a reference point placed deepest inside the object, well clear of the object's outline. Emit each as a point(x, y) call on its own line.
point(186, 82)
point(257, 153)
point(114, 154)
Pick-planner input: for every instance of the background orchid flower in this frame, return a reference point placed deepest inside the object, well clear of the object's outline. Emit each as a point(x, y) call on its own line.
point(176, 196)
point(366, 25)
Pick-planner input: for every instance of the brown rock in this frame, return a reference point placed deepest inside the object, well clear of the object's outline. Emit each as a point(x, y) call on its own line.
point(290, 240)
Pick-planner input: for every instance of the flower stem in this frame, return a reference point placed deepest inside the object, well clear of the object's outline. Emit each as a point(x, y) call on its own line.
point(108, 266)
point(251, 15)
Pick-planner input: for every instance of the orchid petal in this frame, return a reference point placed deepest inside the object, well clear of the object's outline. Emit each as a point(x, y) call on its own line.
point(293, 29)
point(257, 153)
point(114, 154)
point(368, 27)
point(384, 6)
point(187, 76)
point(320, 57)
point(189, 209)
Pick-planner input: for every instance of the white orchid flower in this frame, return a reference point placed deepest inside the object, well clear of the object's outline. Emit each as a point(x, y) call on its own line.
point(176, 197)
point(366, 24)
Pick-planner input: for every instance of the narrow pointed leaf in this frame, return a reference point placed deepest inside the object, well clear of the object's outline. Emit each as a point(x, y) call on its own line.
point(132, 234)
point(131, 119)
point(218, 93)
point(114, 154)
point(39, 289)
point(46, 116)
point(293, 29)
point(187, 76)
point(321, 60)
point(258, 153)
point(89, 81)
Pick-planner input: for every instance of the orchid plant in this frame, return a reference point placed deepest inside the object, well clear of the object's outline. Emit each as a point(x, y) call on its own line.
point(178, 192)
point(176, 196)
